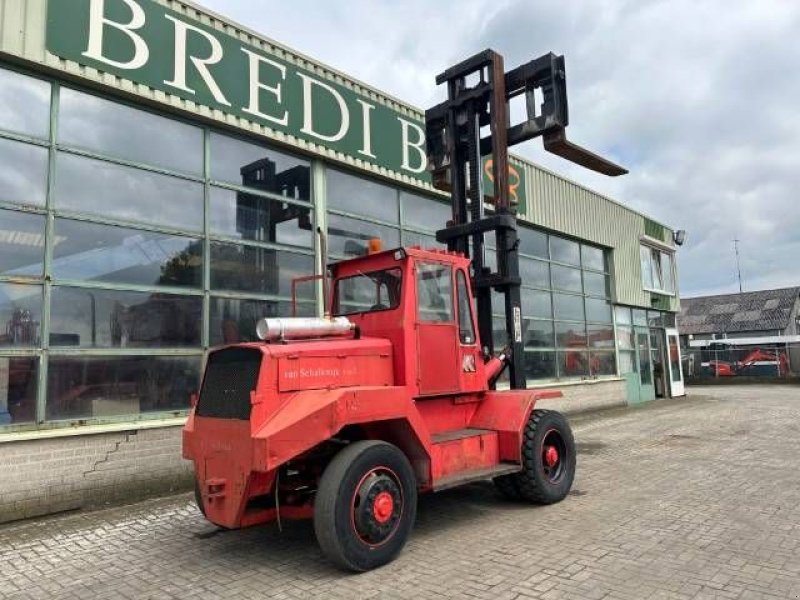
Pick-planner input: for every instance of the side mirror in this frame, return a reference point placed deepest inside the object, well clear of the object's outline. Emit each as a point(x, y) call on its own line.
point(193, 400)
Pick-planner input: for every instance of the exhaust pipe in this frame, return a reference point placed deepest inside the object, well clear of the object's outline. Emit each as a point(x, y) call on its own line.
point(274, 330)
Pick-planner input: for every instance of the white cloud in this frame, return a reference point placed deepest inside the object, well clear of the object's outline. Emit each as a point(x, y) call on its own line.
point(696, 98)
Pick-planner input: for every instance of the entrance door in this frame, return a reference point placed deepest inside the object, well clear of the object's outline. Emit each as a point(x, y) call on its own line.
point(675, 369)
point(659, 361)
point(647, 390)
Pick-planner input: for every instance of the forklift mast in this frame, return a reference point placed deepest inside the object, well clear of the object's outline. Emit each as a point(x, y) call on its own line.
point(478, 95)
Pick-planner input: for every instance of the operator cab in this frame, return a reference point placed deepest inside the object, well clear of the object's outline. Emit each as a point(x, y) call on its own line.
point(421, 301)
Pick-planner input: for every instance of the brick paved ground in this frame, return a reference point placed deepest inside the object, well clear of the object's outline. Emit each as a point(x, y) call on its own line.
point(686, 499)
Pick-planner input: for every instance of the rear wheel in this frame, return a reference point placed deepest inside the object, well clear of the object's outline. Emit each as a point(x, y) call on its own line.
point(548, 461)
point(198, 497)
point(365, 505)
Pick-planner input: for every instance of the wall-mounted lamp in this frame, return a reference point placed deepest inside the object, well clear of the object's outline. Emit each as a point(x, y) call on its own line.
point(679, 237)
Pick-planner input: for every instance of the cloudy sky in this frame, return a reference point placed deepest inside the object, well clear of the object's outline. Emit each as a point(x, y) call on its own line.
point(699, 99)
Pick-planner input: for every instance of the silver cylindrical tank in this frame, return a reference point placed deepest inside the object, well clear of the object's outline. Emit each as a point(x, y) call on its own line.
point(299, 328)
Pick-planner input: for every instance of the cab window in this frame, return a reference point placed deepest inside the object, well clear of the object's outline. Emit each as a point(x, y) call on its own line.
point(466, 329)
point(368, 292)
point(434, 292)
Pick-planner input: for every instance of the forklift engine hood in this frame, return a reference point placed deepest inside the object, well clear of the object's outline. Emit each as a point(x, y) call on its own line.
point(261, 405)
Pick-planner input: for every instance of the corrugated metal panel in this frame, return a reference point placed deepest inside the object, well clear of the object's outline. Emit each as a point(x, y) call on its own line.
point(564, 206)
point(22, 28)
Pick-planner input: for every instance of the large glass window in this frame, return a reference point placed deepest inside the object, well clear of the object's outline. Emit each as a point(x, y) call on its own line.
point(424, 213)
point(247, 164)
point(101, 188)
point(350, 237)
point(92, 123)
point(18, 384)
point(91, 252)
point(251, 217)
point(20, 315)
point(257, 270)
point(233, 320)
point(360, 196)
point(137, 291)
point(81, 387)
point(23, 178)
point(94, 318)
point(24, 104)
point(658, 270)
point(565, 251)
point(568, 332)
point(21, 244)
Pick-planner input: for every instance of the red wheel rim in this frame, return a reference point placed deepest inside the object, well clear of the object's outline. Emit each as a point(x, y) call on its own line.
point(553, 455)
point(377, 506)
point(383, 507)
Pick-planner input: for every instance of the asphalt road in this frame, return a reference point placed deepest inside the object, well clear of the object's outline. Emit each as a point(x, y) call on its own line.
point(698, 498)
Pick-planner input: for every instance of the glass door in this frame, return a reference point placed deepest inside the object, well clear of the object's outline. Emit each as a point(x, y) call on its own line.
point(675, 368)
point(647, 390)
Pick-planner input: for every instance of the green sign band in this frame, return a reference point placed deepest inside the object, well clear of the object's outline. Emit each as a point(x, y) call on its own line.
point(142, 41)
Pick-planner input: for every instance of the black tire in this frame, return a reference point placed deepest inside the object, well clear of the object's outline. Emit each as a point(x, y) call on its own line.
point(198, 498)
point(365, 505)
point(543, 481)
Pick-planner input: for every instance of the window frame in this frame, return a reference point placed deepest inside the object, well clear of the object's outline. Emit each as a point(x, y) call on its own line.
point(661, 252)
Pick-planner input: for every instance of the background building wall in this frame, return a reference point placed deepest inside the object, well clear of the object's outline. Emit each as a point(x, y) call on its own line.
point(43, 476)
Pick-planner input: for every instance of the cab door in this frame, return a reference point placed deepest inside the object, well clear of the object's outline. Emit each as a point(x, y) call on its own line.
point(437, 330)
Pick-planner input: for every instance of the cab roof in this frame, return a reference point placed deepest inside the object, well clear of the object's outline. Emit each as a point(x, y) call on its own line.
point(419, 252)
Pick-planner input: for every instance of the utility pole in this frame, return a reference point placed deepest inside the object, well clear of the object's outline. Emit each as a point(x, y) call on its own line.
point(738, 266)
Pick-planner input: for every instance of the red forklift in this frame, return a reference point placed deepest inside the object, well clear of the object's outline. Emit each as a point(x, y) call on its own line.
point(345, 419)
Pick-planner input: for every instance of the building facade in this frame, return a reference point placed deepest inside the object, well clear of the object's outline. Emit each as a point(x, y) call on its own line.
point(163, 173)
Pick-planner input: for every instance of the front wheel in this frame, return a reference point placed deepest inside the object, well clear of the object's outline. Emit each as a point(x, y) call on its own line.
point(365, 505)
point(548, 461)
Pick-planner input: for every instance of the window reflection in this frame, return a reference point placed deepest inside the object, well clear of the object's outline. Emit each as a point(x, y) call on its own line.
point(361, 196)
point(533, 242)
point(540, 364)
point(573, 363)
point(117, 130)
point(18, 383)
point(233, 320)
point(566, 279)
point(602, 363)
point(80, 387)
point(259, 270)
point(534, 304)
point(593, 258)
point(350, 237)
point(595, 284)
point(424, 213)
point(566, 251)
point(250, 217)
point(109, 190)
point(87, 251)
point(598, 310)
point(568, 307)
point(24, 104)
point(23, 178)
point(20, 314)
point(534, 273)
point(106, 318)
point(571, 335)
point(537, 334)
point(243, 163)
point(21, 244)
